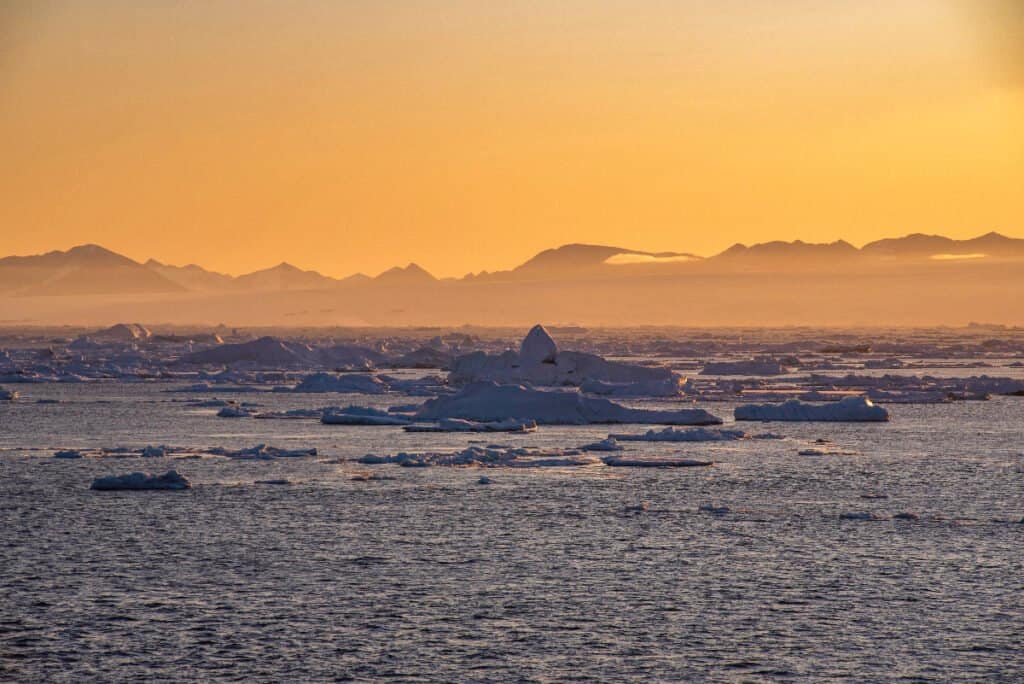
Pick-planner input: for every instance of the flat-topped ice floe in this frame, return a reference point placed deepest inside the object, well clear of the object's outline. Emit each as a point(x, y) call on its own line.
point(345, 383)
point(490, 456)
point(489, 401)
point(137, 481)
point(361, 415)
point(262, 452)
point(460, 425)
point(654, 462)
point(848, 409)
point(670, 434)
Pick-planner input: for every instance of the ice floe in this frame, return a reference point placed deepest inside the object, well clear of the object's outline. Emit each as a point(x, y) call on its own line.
point(848, 409)
point(261, 452)
point(351, 383)
point(607, 444)
point(489, 456)
point(8, 395)
point(670, 434)
point(137, 481)
point(489, 401)
point(654, 462)
point(461, 425)
point(361, 415)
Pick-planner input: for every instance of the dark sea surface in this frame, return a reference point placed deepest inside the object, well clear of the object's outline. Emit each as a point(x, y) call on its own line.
point(542, 576)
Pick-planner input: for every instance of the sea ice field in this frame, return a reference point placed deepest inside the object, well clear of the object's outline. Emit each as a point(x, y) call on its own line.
point(497, 505)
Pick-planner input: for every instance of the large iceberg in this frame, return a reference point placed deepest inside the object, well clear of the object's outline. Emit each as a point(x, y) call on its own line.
point(848, 409)
point(540, 363)
point(489, 401)
point(169, 480)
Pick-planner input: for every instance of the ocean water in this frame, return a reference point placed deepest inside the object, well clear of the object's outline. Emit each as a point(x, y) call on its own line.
point(542, 576)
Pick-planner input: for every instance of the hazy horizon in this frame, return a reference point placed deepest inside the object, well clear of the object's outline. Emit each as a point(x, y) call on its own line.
point(347, 137)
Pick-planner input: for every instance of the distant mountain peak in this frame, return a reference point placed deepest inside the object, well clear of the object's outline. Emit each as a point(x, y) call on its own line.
point(413, 272)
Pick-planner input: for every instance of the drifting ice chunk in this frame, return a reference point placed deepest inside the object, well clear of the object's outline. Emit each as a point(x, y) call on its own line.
point(654, 462)
point(7, 395)
point(849, 409)
point(673, 435)
point(169, 480)
point(489, 401)
point(360, 415)
point(292, 414)
point(608, 444)
point(491, 456)
point(353, 383)
point(68, 453)
point(262, 452)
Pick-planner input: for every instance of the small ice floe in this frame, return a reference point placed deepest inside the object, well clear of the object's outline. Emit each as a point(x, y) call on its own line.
point(671, 434)
point(211, 403)
point(906, 516)
point(714, 510)
point(491, 456)
point(68, 453)
point(346, 383)
point(873, 495)
point(607, 444)
point(484, 480)
point(8, 395)
point(272, 482)
point(654, 462)
point(360, 415)
point(262, 452)
point(291, 414)
point(48, 401)
point(860, 515)
point(137, 481)
point(848, 409)
point(150, 451)
point(461, 425)
point(235, 412)
point(641, 507)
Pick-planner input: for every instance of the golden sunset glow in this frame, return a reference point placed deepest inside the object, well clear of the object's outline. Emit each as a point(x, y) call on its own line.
point(352, 136)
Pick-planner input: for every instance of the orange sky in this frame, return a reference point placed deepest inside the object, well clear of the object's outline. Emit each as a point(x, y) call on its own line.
point(351, 136)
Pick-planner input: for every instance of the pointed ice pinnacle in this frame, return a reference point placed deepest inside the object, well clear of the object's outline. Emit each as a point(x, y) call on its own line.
point(538, 347)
